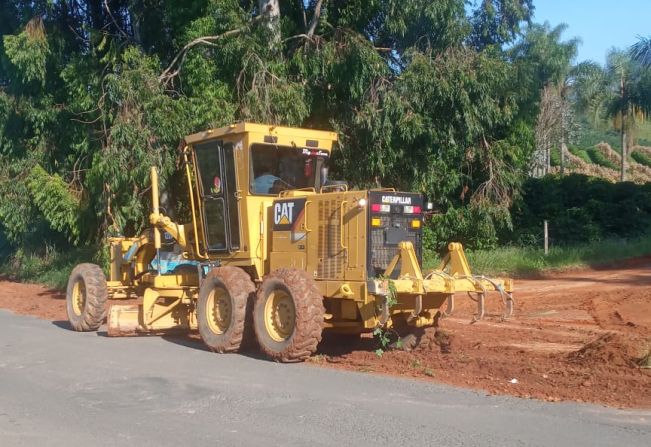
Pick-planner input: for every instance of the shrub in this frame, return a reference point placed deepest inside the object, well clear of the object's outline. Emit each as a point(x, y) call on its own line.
point(641, 158)
point(580, 209)
point(600, 159)
point(581, 153)
point(555, 157)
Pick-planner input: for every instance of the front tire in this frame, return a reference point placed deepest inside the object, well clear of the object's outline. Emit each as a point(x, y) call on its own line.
point(86, 298)
point(221, 309)
point(288, 315)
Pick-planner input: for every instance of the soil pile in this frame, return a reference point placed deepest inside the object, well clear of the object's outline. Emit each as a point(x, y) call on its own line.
point(612, 350)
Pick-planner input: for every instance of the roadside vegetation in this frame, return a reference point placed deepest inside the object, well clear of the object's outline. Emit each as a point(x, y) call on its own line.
point(532, 261)
point(51, 268)
point(475, 105)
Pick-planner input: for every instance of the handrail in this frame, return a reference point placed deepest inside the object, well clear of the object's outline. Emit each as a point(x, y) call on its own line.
point(341, 225)
point(307, 202)
point(192, 206)
point(288, 192)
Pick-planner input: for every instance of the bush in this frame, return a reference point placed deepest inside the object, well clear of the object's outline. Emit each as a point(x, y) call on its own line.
point(581, 153)
point(472, 226)
point(555, 157)
point(5, 248)
point(49, 266)
point(580, 209)
point(641, 158)
point(600, 159)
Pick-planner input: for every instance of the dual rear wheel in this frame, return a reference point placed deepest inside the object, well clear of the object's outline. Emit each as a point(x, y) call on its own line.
point(285, 316)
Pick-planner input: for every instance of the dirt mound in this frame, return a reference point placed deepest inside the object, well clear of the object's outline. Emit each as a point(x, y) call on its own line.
point(33, 299)
point(612, 349)
point(629, 310)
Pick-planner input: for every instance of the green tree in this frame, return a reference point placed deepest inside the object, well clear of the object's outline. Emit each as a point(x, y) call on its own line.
point(624, 76)
point(439, 97)
point(641, 51)
point(546, 71)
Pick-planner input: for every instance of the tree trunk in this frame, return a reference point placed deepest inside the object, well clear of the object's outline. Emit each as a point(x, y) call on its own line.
point(134, 19)
point(95, 14)
point(624, 148)
point(564, 125)
point(622, 92)
point(271, 10)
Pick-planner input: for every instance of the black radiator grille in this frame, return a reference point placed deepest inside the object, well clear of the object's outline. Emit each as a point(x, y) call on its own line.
point(383, 245)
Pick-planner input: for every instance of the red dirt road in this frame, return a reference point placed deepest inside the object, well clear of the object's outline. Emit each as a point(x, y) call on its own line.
point(576, 336)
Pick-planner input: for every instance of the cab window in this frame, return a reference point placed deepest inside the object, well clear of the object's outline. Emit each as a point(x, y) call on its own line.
point(279, 168)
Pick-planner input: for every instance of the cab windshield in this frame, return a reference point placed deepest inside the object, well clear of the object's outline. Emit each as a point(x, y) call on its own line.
point(279, 168)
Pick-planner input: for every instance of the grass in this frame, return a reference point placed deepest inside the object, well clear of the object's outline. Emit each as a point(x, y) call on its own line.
point(527, 261)
point(51, 268)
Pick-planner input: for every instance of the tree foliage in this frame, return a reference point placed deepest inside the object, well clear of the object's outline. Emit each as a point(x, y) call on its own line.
point(436, 97)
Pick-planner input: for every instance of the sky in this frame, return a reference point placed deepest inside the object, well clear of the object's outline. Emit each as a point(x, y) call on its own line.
point(600, 24)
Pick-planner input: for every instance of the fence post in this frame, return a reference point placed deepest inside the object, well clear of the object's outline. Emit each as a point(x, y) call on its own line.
point(546, 237)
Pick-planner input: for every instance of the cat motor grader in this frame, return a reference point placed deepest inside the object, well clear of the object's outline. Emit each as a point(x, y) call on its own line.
point(274, 252)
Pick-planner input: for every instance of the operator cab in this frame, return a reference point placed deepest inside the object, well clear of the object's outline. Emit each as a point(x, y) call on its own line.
point(280, 168)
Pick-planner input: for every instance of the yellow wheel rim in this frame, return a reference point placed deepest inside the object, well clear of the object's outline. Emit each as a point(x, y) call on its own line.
point(279, 315)
point(78, 297)
point(219, 310)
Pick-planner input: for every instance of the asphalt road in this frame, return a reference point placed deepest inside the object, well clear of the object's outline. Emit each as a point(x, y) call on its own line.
point(61, 388)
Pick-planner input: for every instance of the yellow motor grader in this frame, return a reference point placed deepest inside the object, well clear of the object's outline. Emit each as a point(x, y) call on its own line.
point(274, 252)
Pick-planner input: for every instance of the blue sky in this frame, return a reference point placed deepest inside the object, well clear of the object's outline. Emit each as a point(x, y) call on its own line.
point(600, 24)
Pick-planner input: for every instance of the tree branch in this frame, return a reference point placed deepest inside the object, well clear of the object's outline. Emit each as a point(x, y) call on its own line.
point(115, 22)
point(315, 18)
point(302, 5)
point(168, 74)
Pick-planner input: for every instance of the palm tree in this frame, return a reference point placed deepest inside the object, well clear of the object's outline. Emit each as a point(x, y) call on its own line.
point(641, 51)
point(590, 93)
point(612, 92)
point(625, 76)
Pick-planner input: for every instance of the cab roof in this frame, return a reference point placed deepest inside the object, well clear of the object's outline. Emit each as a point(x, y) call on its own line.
point(274, 134)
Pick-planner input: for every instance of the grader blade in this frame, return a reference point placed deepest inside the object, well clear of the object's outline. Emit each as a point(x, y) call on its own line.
point(123, 320)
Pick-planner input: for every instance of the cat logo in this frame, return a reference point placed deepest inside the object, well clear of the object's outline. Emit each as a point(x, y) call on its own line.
point(287, 212)
point(283, 213)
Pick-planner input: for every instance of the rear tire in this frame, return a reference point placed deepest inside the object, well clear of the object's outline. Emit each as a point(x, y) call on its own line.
point(288, 315)
point(86, 298)
point(221, 309)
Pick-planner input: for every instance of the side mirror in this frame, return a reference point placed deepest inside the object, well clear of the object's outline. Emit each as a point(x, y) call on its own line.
point(324, 175)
